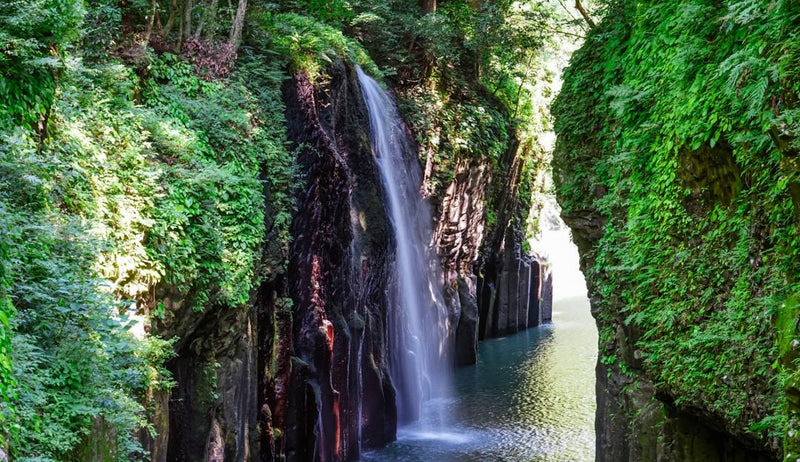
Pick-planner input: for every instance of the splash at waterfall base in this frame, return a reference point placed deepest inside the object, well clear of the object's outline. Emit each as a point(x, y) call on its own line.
point(332, 365)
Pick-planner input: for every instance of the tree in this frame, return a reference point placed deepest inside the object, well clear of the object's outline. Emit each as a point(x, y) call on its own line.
point(238, 24)
point(209, 16)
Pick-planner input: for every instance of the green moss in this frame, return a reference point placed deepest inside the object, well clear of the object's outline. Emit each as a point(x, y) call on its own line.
point(356, 321)
point(786, 324)
point(144, 184)
point(663, 129)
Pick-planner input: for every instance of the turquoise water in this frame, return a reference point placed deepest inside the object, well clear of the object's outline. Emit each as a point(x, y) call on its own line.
point(530, 397)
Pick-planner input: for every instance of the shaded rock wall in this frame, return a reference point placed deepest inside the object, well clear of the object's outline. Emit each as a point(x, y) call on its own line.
point(493, 288)
point(515, 296)
point(211, 413)
point(657, 430)
point(339, 263)
point(458, 235)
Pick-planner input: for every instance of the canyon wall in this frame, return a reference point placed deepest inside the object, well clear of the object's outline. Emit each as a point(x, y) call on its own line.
point(197, 254)
point(673, 172)
point(497, 288)
point(303, 373)
point(340, 262)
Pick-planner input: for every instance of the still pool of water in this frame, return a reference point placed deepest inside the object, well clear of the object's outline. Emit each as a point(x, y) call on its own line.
point(529, 398)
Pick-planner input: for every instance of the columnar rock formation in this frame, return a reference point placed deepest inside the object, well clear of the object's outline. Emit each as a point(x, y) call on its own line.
point(305, 375)
point(491, 282)
point(338, 273)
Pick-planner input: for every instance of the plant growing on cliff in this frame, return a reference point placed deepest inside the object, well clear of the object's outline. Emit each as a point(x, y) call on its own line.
point(117, 181)
point(310, 46)
point(667, 145)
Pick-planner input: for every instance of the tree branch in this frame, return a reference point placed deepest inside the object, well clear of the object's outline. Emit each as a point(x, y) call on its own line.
point(563, 32)
point(584, 13)
point(569, 12)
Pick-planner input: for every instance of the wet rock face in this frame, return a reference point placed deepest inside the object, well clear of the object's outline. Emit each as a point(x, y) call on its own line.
point(302, 372)
point(516, 296)
point(657, 432)
point(460, 227)
point(493, 288)
point(337, 278)
point(466, 338)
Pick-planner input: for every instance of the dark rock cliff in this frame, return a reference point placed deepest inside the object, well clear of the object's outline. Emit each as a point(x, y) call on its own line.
point(294, 375)
point(495, 287)
point(338, 271)
point(302, 373)
point(211, 413)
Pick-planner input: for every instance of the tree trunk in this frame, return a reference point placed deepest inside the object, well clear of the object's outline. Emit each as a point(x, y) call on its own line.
point(188, 6)
point(429, 6)
point(179, 43)
point(584, 13)
point(238, 24)
point(150, 23)
point(171, 19)
point(209, 16)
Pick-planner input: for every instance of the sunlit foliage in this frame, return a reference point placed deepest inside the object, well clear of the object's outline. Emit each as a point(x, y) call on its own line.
point(143, 152)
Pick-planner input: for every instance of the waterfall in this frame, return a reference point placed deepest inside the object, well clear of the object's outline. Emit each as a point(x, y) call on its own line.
point(418, 321)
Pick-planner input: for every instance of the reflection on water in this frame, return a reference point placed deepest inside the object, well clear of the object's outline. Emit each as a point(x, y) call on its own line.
point(531, 395)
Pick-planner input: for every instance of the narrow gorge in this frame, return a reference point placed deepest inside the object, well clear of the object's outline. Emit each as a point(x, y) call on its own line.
point(334, 230)
point(368, 326)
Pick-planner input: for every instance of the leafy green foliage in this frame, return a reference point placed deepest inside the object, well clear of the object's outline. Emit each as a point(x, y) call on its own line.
point(473, 98)
point(34, 36)
point(116, 187)
point(666, 127)
point(7, 312)
point(73, 358)
point(214, 138)
point(455, 128)
point(311, 46)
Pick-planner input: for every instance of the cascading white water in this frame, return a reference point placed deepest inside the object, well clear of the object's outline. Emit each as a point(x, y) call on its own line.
point(418, 327)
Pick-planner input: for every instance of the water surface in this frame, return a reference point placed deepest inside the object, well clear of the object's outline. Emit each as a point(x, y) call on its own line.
point(530, 397)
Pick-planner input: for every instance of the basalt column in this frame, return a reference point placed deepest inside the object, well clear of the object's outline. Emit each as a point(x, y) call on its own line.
point(492, 288)
point(515, 292)
point(211, 413)
point(341, 396)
